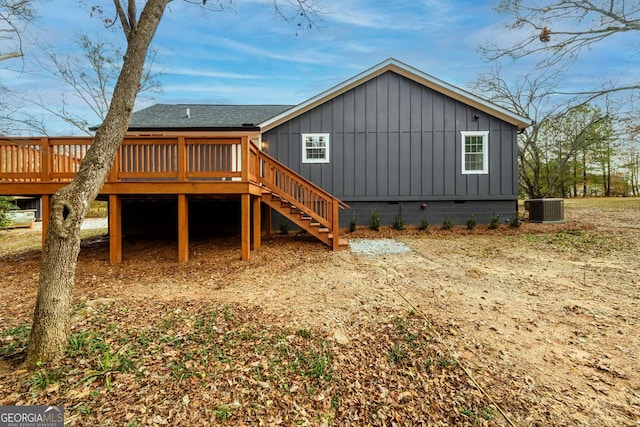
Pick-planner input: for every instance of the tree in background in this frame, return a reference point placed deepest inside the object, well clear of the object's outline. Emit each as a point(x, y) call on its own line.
point(14, 14)
point(563, 130)
point(50, 330)
point(558, 31)
point(554, 34)
point(6, 204)
point(572, 148)
point(531, 97)
point(631, 159)
point(89, 76)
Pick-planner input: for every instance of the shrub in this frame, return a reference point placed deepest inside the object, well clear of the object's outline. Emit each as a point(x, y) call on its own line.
point(515, 220)
point(448, 223)
point(6, 204)
point(284, 227)
point(471, 222)
point(353, 223)
point(424, 223)
point(494, 221)
point(375, 222)
point(398, 221)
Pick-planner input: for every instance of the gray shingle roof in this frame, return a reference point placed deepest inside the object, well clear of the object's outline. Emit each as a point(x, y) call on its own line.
point(168, 116)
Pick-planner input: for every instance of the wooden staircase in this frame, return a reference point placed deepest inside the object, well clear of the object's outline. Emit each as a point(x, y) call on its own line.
point(307, 205)
point(302, 220)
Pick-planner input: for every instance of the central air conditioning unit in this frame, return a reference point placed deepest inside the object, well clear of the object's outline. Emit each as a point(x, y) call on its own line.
point(545, 210)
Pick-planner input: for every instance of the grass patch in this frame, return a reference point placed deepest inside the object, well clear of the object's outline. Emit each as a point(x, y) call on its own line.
point(576, 241)
point(14, 341)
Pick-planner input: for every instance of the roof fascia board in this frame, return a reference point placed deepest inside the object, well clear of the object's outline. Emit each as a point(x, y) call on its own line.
point(406, 71)
point(194, 133)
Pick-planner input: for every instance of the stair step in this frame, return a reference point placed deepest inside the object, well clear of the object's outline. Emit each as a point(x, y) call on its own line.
point(303, 220)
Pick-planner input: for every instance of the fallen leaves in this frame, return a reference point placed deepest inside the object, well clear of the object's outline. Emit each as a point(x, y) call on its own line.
point(197, 363)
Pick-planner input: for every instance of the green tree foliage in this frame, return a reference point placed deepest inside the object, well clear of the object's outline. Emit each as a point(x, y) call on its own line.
point(6, 204)
point(573, 144)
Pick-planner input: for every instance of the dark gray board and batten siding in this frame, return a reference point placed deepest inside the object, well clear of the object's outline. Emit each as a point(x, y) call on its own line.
point(395, 140)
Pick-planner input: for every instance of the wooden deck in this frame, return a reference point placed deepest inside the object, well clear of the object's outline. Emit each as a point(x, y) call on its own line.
point(180, 166)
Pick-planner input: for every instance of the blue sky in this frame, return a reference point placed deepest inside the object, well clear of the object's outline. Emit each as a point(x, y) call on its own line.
point(251, 56)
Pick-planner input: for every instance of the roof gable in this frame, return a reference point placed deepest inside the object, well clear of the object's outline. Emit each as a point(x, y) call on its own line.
point(409, 72)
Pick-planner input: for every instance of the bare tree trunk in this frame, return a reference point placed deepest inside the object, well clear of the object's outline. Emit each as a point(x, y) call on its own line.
point(635, 168)
point(575, 175)
point(50, 329)
point(608, 193)
point(584, 172)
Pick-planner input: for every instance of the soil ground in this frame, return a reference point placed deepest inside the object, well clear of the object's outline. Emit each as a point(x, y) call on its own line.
point(544, 319)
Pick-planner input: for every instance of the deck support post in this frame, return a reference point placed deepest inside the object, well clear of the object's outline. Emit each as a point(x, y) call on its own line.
point(257, 229)
point(335, 225)
point(115, 229)
point(183, 228)
point(45, 212)
point(245, 207)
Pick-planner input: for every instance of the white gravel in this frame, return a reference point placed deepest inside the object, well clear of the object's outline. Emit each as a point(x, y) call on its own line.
point(374, 247)
point(88, 223)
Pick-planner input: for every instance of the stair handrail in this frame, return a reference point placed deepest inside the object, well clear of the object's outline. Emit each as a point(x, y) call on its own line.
point(266, 158)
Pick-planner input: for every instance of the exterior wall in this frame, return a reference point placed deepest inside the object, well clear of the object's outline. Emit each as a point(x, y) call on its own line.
point(435, 212)
point(394, 140)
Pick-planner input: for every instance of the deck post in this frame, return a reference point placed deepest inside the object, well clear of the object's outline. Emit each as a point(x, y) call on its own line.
point(46, 211)
point(183, 228)
point(115, 229)
point(245, 246)
point(335, 224)
point(246, 153)
point(115, 167)
point(257, 229)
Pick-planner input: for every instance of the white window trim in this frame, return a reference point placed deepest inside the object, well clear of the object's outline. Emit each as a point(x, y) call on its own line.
point(327, 149)
point(485, 152)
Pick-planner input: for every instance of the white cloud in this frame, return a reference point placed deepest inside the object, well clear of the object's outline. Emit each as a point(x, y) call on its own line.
point(197, 72)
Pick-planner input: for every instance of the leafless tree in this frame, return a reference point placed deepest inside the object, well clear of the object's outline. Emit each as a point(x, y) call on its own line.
point(13, 15)
point(561, 29)
point(88, 78)
point(561, 127)
point(50, 330)
point(529, 96)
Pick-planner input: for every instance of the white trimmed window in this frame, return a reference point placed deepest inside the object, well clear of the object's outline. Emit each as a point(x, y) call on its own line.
point(475, 152)
point(315, 148)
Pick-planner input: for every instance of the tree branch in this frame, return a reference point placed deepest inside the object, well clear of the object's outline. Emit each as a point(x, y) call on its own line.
point(124, 21)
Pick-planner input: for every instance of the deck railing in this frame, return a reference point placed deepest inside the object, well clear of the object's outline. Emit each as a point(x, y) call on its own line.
point(300, 192)
point(138, 159)
point(181, 159)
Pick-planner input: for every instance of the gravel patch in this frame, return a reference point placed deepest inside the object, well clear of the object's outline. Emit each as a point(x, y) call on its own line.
point(87, 224)
point(374, 247)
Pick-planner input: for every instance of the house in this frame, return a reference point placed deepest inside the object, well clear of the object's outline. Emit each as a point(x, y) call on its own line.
point(391, 138)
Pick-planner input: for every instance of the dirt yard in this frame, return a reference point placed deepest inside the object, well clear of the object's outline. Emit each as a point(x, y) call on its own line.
point(543, 318)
